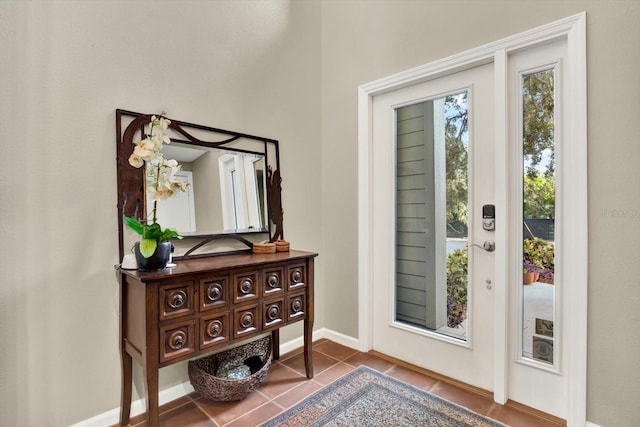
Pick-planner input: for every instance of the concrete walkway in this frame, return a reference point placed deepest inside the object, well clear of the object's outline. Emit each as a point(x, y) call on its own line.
point(538, 304)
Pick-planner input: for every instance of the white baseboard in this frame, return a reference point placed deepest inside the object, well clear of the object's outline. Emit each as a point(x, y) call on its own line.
point(334, 336)
point(592, 425)
point(172, 393)
point(338, 338)
point(137, 407)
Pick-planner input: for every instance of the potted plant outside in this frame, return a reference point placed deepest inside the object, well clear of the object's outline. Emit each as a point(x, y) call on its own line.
point(538, 260)
point(530, 272)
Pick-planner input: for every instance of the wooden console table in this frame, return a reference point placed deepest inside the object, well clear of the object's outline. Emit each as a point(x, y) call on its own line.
point(206, 304)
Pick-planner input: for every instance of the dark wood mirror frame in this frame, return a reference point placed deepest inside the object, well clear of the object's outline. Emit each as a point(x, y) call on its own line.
point(131, 181)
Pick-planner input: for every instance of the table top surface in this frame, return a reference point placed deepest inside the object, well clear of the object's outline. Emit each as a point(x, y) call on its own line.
point(221, 262)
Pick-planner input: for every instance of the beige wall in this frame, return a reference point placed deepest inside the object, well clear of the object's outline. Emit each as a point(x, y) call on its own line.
point(65, 66)
point(262, 68)
point(366, 40)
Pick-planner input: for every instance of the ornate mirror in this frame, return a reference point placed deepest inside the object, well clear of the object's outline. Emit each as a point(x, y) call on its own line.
point(233, 196)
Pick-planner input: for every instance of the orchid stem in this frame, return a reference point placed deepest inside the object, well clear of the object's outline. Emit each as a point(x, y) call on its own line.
point(155, 202)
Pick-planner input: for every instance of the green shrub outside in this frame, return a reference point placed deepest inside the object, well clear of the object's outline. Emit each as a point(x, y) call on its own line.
point(457, 269)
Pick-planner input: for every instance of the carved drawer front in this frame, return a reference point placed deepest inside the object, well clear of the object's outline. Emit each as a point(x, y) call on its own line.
point(246, 320)
point(297, 306)
point(273, 281)
point(177, 340)
point(273, 314)
point(214, 329)
point(296, 276)
point(214, 292)
point(176, 299)
point(245, 286)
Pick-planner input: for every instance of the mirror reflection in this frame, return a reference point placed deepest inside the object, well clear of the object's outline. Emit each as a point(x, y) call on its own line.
point(225, 192)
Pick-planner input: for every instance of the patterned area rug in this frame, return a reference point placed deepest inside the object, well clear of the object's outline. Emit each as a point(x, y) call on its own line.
point(366, 397)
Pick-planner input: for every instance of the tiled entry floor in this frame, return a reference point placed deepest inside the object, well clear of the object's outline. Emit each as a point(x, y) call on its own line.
point(286, 385)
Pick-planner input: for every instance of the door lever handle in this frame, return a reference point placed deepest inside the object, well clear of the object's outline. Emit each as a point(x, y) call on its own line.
point(488, 245)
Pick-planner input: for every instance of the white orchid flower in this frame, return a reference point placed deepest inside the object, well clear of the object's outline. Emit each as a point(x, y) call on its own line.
point(164, 123)
point(145, 149)
point(159, 131)
point(135, 161)
point(157, 140)
point(179, 185)
point(160, 173)
point(160, 193)
point(155, 160)
point(171, 167)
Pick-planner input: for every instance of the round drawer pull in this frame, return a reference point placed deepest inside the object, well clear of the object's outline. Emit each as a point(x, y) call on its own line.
point(296, 276)
point(246, 320)
point(177, 299)
point(214, 292)
point(246, 286)
point(274, 312)
point(214, 328)
point(296, 305)
point(177, 340)
point(273, 280)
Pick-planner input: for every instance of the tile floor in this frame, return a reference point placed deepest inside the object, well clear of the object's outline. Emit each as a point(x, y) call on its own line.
point(286, 385)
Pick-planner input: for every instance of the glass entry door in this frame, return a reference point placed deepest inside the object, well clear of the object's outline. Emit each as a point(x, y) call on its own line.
point(432, 221)
point(433, 158)
point(434, 290)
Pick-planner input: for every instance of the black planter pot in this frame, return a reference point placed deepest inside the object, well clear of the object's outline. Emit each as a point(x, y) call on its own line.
point(157, 261)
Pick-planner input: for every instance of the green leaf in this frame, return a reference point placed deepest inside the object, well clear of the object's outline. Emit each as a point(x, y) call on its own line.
point(168, 234)
point(134, 224)
point(152, 231)
point(148, 247)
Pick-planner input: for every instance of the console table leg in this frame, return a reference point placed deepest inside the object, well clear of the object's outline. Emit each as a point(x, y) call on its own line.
point(308, 347)
point(153, 412)
point(127, 383)
point(275, 344)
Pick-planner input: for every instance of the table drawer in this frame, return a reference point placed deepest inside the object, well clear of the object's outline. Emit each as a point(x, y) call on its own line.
point(296, 276)
point(273, 314)
point(177, 340)
point(215, 329)
point(176, 299)
point(214, 292)
point(246, 320)
point(296, 306)
point(274, 281)
point(245, 287)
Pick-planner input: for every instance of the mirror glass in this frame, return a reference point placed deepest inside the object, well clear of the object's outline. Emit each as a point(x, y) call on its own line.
point(225, 193)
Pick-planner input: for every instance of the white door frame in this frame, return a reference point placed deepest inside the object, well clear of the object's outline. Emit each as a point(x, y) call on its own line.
point(573, 29)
